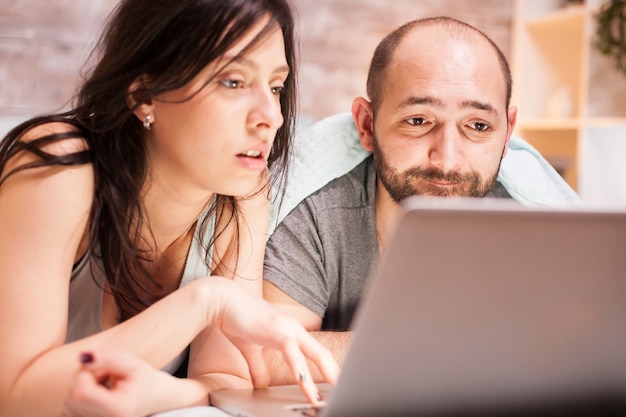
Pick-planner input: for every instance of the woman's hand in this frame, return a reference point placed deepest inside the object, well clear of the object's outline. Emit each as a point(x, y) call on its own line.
point(112, 383)
point(252, 323)
point(116, 383)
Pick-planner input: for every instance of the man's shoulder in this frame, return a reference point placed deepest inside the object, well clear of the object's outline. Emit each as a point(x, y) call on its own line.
point(353, 189)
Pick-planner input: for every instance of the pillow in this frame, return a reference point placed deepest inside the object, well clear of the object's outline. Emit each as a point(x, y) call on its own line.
point(330, 148)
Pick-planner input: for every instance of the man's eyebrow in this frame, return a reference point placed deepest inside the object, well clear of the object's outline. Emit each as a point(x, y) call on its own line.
point(433, 101)
point(479, 106)
point(412, 101)
point(242, 60)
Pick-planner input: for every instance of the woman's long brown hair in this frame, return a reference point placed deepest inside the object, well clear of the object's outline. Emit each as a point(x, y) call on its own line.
point(170, 42)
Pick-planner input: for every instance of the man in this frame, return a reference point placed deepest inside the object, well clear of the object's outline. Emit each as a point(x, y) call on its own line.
point(438, 123)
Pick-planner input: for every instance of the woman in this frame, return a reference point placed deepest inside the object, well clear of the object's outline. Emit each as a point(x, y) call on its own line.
point(157, 178)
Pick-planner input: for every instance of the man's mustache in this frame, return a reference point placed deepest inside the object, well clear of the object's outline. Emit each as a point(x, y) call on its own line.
point(435, 174)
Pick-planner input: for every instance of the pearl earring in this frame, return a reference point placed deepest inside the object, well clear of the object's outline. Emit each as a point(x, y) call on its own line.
point(147, 122)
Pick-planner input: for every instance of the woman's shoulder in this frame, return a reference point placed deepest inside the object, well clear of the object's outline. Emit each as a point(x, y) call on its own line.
point(56, 137)
point(47, 151)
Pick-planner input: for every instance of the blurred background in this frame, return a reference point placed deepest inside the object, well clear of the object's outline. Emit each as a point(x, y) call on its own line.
point(43, 45)
point(572, 100)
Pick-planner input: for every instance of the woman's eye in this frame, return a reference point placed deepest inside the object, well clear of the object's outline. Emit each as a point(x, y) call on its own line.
point(416, 121)
point(231, 83)
point(278, 90)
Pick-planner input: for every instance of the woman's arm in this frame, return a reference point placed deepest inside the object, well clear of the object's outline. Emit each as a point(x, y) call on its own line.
point(41, 386)
point(44, 213)
point(155, 335)
point(43, 218)
point(117, 384)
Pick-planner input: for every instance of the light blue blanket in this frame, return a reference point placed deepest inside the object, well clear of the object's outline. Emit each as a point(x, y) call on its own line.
point(331, 148)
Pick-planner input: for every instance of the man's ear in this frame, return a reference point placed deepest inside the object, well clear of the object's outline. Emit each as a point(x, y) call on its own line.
point(140, 110)
point(363, 115)
point(511, 120)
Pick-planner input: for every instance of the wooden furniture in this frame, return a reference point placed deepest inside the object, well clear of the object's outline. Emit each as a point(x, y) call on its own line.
point(571, 99)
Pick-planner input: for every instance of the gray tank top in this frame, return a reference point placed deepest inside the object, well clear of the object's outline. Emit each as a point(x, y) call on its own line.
point(87, 281)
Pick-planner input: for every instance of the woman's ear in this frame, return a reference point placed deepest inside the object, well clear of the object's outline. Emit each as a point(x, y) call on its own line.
point(144, 111)
point(362, 113)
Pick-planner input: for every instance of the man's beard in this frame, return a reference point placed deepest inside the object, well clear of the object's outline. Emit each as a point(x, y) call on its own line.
point(414, 181)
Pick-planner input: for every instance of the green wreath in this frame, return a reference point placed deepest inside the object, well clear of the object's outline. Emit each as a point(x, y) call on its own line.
point(611, 32)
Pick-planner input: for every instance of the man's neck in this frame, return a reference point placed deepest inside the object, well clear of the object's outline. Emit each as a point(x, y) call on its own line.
point(387, 214)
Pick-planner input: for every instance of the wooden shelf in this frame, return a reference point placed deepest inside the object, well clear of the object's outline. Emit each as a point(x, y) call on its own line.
point(571, 123)
point(604, 121)
point(550, 124)
point(570, 99)
point(560, 19)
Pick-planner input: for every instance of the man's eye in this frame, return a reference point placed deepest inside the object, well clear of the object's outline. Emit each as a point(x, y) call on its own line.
point(479, 126)
point(231, 83)
point(416, 121)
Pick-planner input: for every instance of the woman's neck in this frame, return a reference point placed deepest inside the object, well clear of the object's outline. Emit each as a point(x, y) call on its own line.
point(171, 214)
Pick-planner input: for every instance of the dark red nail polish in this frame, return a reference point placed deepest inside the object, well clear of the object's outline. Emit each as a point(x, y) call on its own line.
point(319, 396)
point(86, 357)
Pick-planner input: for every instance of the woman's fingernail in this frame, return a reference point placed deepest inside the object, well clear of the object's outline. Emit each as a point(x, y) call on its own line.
point(302, 376)
point(86, 357)
point(319, 396)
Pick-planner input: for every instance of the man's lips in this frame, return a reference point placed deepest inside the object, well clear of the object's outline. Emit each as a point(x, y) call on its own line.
point(441, 183)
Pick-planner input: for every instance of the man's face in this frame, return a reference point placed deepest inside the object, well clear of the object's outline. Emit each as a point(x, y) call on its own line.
point(442, 127)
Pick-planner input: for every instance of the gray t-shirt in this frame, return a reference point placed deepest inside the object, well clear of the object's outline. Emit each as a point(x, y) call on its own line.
point(324, 251)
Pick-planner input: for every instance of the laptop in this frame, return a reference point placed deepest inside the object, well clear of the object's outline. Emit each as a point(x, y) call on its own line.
point(481, 307)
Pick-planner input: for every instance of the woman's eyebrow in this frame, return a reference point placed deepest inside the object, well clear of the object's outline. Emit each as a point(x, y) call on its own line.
point(242, 60)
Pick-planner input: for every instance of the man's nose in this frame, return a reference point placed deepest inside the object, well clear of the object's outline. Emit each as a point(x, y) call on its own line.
point(446, 150)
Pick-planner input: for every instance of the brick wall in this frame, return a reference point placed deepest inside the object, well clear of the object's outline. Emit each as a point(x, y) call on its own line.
point(339, 38)
point(43, 45)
